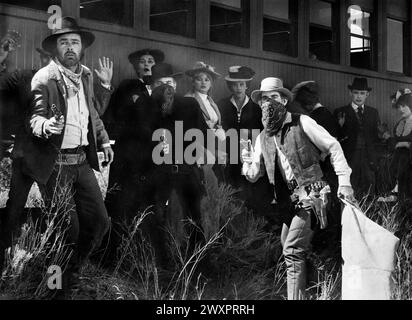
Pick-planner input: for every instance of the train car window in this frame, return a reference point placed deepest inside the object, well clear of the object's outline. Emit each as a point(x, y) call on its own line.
point(323, 31)
point(398, 35)
point(279, 26)
point(396, 52)
point(112, 11)
point(173, 16)
point(229, 22)
point(362, 53)
point(33, 4)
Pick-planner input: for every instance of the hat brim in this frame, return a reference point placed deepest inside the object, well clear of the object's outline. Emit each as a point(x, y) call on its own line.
point(176, 75)
point(299, 86)
point(227, 78)
point(157, 54)
point(350, 87)
point(49, 44)
point(193, 72)
point(256, 94)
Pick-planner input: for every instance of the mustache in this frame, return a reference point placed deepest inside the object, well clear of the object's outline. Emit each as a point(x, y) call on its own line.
point(70, 53)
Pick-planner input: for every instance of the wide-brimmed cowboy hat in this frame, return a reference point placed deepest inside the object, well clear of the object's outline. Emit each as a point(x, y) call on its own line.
point(202, 67)
point(271, 84)
point(240, 73)
point(68, 25)
point(360, 84)
point(164, 70)
point(157, 55)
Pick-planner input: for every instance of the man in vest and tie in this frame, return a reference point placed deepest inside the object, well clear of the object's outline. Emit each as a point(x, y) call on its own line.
point(289, 150)
point(358, 135)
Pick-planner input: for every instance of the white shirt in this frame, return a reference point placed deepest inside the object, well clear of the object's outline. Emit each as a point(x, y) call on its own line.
point(320, 138)
point(212, 113)
point(239, 112)
point(77, 120)
point(356, 107)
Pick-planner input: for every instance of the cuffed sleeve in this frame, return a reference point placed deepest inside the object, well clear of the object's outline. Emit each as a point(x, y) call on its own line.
point(329, 146)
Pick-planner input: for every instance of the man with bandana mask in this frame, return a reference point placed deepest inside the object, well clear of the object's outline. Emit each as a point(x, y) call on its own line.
point(289, 150)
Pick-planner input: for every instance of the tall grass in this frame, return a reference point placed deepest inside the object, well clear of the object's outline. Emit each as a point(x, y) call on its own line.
point(246, 260)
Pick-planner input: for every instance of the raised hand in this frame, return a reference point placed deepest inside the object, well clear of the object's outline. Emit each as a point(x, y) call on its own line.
point(9, 43)
point(105, 72)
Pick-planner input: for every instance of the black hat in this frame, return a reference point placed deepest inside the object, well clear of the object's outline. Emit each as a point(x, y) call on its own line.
point(306, 92)
point(164, 70)
point(360, 84)
point(69, 25)
point(158, 55)
point(240, 73)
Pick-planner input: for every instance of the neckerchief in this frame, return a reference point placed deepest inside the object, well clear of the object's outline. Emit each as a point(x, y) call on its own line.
point(73, 85)
point(273, 115)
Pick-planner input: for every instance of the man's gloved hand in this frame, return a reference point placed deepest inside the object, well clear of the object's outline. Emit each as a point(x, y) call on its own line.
point(346, 193)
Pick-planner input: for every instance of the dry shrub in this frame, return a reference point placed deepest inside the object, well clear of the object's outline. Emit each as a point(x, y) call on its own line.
point(40, 245)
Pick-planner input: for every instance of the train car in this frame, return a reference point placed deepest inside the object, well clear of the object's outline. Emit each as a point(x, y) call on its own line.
point(330, 41)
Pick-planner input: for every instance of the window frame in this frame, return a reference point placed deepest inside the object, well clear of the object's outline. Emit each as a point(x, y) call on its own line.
point(373, 39)
point(407, 43)
point(294, 27)
point(191, 26)
point(335, 29)
point(245, 22)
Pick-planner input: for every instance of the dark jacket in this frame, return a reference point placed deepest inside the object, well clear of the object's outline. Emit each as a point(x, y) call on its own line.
point(249, 117)
point(325, 118)
point(15, 97)
point(349, 133)
point(185, 110)
point(122, 106)
point(48, 89)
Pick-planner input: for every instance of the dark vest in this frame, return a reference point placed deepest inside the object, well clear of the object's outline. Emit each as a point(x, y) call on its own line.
point(302, 154)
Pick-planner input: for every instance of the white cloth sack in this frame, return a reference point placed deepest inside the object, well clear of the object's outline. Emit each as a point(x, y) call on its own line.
point(369, 255)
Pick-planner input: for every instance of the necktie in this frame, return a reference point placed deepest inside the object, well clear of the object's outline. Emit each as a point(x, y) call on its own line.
point(360, 114)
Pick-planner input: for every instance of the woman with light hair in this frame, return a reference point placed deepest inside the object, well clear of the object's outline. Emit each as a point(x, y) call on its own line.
point(203, 77)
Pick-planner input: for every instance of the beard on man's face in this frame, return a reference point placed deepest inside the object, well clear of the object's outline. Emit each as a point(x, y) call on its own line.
point(69, 59)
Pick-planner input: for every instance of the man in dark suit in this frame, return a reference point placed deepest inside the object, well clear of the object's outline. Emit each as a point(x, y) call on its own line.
point(358, 135)
point(174, 170)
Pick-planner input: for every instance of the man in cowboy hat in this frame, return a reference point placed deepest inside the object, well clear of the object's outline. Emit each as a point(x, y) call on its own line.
point(358, 135)
point(289, 150)
point(66, 134)
point(126, 99)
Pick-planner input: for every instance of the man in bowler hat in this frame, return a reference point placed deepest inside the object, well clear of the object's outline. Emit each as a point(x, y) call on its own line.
point(358, 135)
